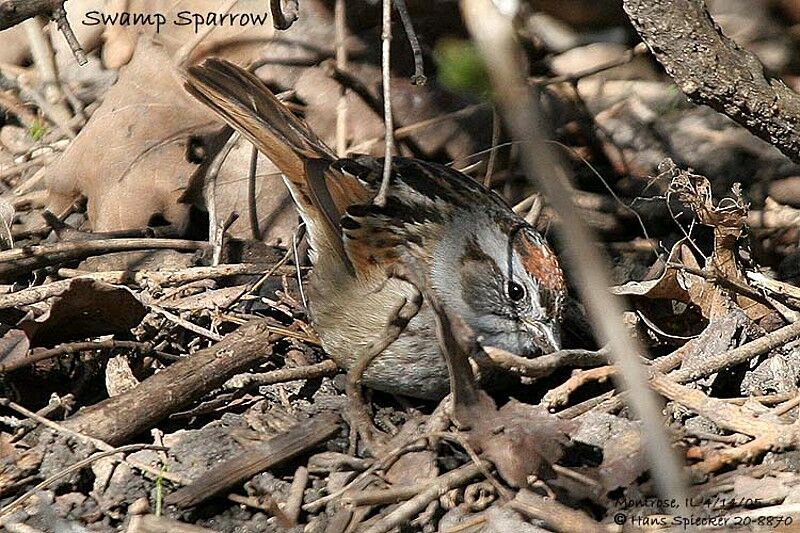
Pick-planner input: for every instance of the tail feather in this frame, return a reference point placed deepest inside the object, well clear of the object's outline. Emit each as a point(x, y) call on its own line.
point(246, 104)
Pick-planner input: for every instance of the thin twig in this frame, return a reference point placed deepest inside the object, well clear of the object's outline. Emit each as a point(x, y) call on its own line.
point(77, 347)
point(74, 468)
point(419, 77)
point(295, 500)
point(252, 206)
point(191, 326)
point(624, 59)
point(59, 15)
point(495, 38)
point(282, 375)
point(388, 123)
point(210, 191)
point(339, 14)
point(409, 509)
point(487, 179)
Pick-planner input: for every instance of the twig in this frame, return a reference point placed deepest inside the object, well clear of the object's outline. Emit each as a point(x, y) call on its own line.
point(487, 178)
point(20, 261)
point(723, 414)
point(210, 192)
point(382, 463)
point(77, 347)
point(12, 12)
point(718, 73)
point(388, 123)
point(294, 502)
point(59, 15)
point(495, 39)
point(282, 447)
point(556, 515)
point(625, 58)
point(283, 375)
point(560, 395)
point(339, 15)
point(130, 277)
point(44, 59)
point(281, 20)
point(121, 417)
point(186, 324)
point(739, 355)
point(545, 365)
point(255, 286)
point(714, 363)
point(252, 206)
point(74, 468)
point(409, 509)
point(419, 77)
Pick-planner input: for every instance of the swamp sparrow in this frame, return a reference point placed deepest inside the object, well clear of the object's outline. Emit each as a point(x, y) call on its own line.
point(484, 262)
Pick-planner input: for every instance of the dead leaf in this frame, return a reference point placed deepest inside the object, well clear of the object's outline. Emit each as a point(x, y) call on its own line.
point(137, 142)
point(119, 376)
point(87, 308)
point(14, 345)
point(621, 442)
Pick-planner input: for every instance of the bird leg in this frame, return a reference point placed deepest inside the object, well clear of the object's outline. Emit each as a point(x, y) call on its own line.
point(357, 409)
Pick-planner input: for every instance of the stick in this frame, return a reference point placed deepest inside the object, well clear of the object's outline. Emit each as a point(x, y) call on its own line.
point(388, 123)
point(283, 375)
point(276, 450)
point(340, 28)
point(419, 77)
point(122, 417)
point(411, 508)
point(713, 70)
point(20, 261)
point(495, 38)
point(128, 277)
point(76, 347)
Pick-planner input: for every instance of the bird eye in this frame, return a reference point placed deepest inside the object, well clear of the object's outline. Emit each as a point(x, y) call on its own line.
point(516, 292)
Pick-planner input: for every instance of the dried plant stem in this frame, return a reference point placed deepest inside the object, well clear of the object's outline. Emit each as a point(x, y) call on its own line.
point(12, 12)
point(487, 179)
point(411, 508)
point(495, 38)
point(210, 193)
point(388, 122)
point(76, 347)
point(74, 468)
point(252, 206)
point(419, 77)
point(339, 12)
point(44, 59)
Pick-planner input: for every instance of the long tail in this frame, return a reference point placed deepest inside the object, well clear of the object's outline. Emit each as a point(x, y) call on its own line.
point(246, 104)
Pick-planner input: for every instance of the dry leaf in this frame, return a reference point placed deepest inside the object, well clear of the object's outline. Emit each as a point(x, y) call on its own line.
point(119, 376)
point(137, 143)
point(87, 309)
point(14, 345)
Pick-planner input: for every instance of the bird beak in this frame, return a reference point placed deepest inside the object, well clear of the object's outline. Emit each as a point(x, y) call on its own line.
point(545, 336)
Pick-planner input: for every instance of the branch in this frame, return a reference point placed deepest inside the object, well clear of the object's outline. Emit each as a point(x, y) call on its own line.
point(493, 33)
point(12, 12)
point(713, 70)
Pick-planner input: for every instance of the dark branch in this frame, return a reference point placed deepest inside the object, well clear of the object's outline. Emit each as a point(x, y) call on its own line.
point(713, 70)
